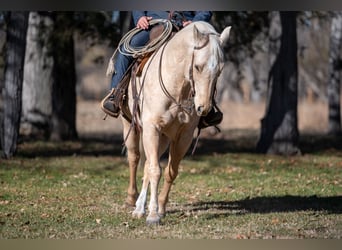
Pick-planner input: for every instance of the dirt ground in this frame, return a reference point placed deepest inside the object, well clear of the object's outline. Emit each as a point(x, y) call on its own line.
point(312, 118)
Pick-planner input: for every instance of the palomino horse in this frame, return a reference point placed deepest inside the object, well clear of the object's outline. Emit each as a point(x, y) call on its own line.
point(174, 89)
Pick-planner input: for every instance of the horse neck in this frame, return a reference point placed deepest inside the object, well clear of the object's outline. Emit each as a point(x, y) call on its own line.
point(180, 50)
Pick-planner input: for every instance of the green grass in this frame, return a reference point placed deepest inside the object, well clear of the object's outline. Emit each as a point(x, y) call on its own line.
point(75, 190)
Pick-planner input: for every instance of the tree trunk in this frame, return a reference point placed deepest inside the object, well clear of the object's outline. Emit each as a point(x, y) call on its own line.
point(334, 120)
point(14, 64)
point(38, 77)
point(64, 86)
point(279, 131)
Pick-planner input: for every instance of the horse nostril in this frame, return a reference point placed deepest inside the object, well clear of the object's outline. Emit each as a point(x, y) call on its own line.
point(200, 110)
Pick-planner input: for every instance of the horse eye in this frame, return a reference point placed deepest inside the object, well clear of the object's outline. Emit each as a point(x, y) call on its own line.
point(199, 68)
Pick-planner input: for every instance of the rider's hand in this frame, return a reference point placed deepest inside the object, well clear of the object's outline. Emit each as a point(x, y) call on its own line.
point(185, 23)
point(143, 22)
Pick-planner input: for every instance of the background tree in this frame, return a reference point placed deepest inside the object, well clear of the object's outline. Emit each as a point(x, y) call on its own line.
point(64, 82)
point(93, 26)
point(14, 58)
point(38, 77)
point(279, 127)
point(49, 104)
point(334, 81)
point(247, 58)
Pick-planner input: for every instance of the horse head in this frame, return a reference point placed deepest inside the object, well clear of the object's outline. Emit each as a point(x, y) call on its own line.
point(207, 63)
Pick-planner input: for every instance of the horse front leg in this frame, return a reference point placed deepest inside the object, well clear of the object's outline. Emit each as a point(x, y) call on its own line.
point(178, 149)
point(133, 157)
point(141, 201)
point(139, 210)
point(151, 141)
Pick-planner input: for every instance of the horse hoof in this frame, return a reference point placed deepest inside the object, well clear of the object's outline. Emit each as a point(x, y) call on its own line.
point(153, 220)
point(138, 214)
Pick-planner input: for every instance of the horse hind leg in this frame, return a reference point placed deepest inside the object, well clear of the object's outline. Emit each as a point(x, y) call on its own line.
point(133, 157)
point(132, 191)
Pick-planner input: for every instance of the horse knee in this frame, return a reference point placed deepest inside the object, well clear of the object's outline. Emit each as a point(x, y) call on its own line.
point(154, 172)
point(133, 158)
point(170, 175)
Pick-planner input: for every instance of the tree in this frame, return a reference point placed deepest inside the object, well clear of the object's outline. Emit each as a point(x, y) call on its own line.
point(335, 65)
point(246, 54)
point(38, 77)
point(64, 85)
point(49, 107)
point(279, 131)
point(14, 64)
point(49, 92)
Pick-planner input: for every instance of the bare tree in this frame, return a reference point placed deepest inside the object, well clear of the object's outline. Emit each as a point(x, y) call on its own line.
point(38, 76)
point(64, 86)
point(334, 81)
point(279, 127)
point(14, 64)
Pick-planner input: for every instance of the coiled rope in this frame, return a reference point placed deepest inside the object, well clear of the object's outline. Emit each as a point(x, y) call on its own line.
point(125, 48)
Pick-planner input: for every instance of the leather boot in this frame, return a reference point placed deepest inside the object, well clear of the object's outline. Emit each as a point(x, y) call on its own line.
point(108, 105)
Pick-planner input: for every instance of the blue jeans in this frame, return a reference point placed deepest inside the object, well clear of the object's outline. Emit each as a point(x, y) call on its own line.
point(123, 62)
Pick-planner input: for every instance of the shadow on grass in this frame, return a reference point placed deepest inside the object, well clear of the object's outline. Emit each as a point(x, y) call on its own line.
point(244, 141)
point(232, 141)
point(321, 143)
point(263, 205)
point(111, 145)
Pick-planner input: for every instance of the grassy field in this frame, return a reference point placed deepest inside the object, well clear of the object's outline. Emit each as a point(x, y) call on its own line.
point(75, 190)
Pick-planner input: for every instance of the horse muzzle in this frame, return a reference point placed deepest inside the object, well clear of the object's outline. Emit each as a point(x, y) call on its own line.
point(202, 110)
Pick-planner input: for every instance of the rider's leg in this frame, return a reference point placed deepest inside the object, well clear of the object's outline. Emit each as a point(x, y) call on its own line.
point(122, 63)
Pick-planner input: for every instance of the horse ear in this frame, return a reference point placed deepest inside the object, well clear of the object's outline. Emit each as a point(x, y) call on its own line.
point(225, 35)
point(199, 36)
